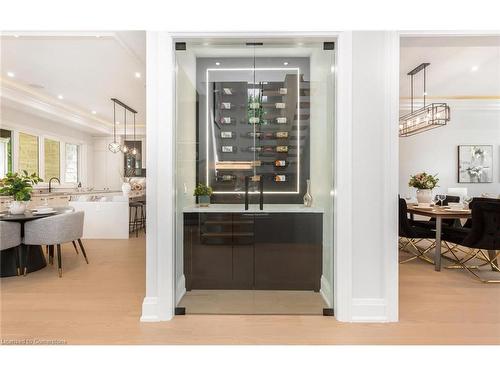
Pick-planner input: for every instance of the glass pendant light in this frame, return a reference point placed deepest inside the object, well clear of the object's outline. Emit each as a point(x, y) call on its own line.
point(114, 146)
point(134, 150)
point(124, 147)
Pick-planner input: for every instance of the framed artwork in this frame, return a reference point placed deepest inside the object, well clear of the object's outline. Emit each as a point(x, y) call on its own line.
point(475, 163)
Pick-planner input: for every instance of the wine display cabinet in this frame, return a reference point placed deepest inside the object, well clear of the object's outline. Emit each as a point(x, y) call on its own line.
point(254, 122)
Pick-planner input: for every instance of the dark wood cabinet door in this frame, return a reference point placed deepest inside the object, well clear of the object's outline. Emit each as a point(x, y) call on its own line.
point(288, 251)
point(212, 252)
point(243, 251)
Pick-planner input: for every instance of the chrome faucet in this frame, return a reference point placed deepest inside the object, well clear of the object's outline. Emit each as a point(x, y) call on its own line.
point(50, 183)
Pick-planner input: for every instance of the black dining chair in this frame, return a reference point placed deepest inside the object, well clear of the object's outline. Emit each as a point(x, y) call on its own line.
point(410, 235)
point(482, 239)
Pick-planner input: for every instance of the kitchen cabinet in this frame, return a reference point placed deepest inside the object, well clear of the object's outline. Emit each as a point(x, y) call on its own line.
point(268, 251)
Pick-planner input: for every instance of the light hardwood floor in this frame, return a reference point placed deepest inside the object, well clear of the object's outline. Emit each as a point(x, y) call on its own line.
point(100, 303)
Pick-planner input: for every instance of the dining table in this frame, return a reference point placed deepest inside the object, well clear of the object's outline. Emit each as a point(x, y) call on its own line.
point(34, 259)
point(439, 213)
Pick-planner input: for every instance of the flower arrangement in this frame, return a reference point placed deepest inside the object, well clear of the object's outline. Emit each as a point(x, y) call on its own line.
point(19, 185)
point(202, 190)
point(423, 181)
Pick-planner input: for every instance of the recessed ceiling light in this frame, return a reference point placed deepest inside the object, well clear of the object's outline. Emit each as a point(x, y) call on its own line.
point(117, 123)
point(285, 63)
point(137, 74)
point(94, 112)
point(474, 68)
point(217, 63)
point(60, 97)
point(11, 74)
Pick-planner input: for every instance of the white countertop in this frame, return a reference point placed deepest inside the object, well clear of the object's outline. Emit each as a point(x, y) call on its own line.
point(254, 208)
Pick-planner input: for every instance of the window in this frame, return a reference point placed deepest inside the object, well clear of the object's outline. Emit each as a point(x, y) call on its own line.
point(52, 157)
point(5, 152)
point(71, 174)
point(28, 153)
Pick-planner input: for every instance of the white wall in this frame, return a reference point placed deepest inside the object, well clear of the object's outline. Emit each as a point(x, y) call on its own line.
point(435, 151)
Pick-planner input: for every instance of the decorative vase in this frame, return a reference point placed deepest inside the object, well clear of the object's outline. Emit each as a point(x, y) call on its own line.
point(308, 199)
point(17, 207)
point(204, 200)
point(424, 195)
point(126, 188)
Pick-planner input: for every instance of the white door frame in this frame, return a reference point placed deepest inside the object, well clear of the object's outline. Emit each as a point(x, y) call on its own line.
point(159, 302)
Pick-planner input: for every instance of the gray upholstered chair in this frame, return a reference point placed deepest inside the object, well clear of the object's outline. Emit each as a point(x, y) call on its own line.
point(55, 230)
point(10, 236)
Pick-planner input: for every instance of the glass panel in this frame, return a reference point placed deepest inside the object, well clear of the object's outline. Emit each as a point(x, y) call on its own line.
point(262, 117)
point(52, 158)
point(5, 152)
point(28, 153)
point(71, 163)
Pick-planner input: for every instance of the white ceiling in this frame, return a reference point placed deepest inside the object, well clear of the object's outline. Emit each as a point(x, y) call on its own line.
point(461, 67)
point(86, 68)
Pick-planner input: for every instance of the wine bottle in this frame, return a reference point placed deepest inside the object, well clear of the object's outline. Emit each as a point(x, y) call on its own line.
point(254, 120)
point(261, 148)
point(283, 91)
point(225, 105)
point(227, 149)
point(280, 178)
point(281, 120)
point(281, 148)
point(226, 135)
point(255, 134)
point(281, 135)
point(254, 105)
point(226, 177)
point(227, 91)
point(225, 120)
point(280, 163)
point(280, 105)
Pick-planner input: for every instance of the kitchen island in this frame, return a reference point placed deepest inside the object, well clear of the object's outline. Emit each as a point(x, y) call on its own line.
point(277, 248)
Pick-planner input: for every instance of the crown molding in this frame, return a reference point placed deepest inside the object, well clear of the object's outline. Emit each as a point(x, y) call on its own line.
point(17, 97)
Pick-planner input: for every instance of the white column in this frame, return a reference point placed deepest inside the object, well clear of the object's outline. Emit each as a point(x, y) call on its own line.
point(159, 300)
point(374, 176)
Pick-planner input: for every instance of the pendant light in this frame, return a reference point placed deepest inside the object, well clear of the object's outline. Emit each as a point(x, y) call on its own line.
point(124, 147)
point(425, 118)
point(114, 146)
point(134, 150)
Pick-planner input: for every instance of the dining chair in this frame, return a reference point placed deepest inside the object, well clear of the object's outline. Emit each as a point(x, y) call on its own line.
point(61, 210)
point(54, 231)
point(411, 235)
point(10, 235)
point(482, 239)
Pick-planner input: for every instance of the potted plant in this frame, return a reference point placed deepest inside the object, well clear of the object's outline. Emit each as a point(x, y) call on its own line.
point(424, 183)
point(19, 186)
point(203, 192)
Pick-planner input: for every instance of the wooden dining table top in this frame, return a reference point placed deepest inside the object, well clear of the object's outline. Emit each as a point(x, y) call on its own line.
point(438, 211)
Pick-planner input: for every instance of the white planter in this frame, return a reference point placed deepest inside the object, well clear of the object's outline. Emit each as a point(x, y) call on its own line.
point(17, 207)
point(424, 195)
point(126, 188)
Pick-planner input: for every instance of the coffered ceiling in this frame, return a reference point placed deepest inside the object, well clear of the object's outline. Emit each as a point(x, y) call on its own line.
point(70, 77)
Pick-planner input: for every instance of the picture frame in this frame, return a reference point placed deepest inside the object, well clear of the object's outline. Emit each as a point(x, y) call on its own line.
point(475, 164)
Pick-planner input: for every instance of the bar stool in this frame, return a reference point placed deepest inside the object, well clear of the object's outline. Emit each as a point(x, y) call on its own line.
point(143, 214)
point(135, 218)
